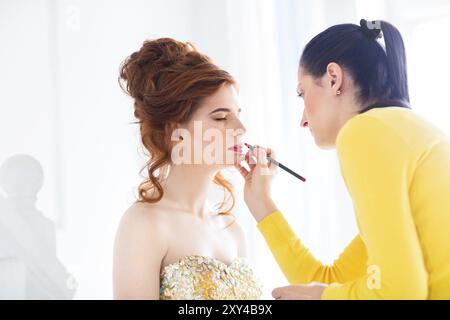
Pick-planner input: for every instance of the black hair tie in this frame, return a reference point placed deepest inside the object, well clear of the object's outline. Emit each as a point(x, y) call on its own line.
point(371, 29)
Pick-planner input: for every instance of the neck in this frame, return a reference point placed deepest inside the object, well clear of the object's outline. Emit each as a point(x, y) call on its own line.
point(348, 109)
point(351, 109)
point(186, 187)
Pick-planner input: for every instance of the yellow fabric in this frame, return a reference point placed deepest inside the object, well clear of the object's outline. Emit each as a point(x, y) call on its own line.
point(396, 167)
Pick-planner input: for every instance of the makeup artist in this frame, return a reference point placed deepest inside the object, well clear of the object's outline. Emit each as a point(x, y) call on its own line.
point(395, 164)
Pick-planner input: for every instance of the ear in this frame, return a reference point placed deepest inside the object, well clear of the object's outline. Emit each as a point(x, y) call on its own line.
point(176, 131)
point(334, 76)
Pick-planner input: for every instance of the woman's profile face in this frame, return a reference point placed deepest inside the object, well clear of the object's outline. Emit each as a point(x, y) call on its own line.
point(215, 129)
point(320, 109)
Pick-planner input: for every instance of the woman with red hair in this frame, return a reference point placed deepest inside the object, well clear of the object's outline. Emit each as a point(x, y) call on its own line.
point(169, 244)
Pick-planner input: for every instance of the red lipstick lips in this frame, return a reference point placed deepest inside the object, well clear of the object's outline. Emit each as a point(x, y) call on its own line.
point(236, 148)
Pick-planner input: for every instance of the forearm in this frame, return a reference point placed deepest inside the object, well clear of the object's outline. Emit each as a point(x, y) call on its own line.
point(299, 265)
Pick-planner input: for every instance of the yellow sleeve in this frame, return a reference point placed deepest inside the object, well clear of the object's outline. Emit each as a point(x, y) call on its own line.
point(297, 263)
point(377, 165)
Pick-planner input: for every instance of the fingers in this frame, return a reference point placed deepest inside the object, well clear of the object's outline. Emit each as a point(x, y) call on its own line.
point(266, 166)
point(243, 171)
point(277, 293)
point(261, 156)
point(299, 292)
point(271, 153)
point(250, 161)
point(285, 293)
point(258, 158)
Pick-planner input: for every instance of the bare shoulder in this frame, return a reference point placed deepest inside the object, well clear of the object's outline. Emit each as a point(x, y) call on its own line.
point(143, 212)
point(139, 248)
point(142, 222)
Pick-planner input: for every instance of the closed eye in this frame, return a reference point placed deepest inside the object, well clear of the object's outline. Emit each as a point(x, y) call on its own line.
point(224, 112)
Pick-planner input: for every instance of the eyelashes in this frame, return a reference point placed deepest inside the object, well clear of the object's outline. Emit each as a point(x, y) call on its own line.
point(224, 116)
point(300, 95)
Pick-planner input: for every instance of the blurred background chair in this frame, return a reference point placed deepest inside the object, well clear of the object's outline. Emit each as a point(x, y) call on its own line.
point(29, 267)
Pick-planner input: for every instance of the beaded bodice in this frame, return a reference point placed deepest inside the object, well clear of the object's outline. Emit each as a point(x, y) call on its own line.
point(198, 277)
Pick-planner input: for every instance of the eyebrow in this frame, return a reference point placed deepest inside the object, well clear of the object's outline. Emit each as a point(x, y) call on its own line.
point(223, 110)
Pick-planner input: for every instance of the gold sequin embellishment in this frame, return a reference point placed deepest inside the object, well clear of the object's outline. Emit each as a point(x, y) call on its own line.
point(198, 277)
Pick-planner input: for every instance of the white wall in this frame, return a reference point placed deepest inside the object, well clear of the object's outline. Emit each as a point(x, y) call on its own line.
point(60, 102)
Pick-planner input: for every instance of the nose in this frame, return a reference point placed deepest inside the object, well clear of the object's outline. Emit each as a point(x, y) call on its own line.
point(304, 121)
point(240, 129)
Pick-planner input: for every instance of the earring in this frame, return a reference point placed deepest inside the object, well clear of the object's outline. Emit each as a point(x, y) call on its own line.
point(338, 92)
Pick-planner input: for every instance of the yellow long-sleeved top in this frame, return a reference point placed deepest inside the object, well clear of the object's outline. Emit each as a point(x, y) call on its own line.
point(396, 167)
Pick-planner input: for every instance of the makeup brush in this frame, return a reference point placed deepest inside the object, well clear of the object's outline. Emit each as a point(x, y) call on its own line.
point(282, 166)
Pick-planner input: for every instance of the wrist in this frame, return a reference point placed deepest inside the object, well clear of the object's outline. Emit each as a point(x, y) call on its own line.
point(263, 208)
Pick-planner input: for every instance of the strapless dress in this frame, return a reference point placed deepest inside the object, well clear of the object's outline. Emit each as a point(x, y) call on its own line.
point(197, 277)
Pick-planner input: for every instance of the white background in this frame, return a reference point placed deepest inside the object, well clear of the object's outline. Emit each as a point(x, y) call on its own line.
point(60, 102)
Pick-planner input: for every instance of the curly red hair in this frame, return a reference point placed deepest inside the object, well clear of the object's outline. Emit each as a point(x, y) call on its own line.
point(168, 80)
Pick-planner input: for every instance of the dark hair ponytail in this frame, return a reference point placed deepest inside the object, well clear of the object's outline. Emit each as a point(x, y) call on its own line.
point(396, 61)
point(378, 71)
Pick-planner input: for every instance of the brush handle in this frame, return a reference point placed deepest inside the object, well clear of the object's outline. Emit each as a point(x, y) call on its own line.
point(280, 165)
